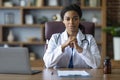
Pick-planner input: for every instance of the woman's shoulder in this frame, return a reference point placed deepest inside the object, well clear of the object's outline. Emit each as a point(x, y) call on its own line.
point(56, 35)
point(89, 35)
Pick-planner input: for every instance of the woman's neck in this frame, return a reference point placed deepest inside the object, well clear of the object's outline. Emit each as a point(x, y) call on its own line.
point(72, 33)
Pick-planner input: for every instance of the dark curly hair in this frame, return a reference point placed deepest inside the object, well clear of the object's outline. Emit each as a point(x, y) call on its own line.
point(73, 7)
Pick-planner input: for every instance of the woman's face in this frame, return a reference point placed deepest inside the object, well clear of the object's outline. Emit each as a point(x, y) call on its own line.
point(71, 20)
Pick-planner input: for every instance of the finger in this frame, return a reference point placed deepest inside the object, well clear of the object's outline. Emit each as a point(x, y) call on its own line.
point(71, 45)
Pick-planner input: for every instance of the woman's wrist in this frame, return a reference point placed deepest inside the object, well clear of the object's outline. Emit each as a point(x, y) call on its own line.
point(63, 47)
point(79, 49)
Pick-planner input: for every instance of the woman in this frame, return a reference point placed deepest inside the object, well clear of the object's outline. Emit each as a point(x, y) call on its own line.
point(66, 49)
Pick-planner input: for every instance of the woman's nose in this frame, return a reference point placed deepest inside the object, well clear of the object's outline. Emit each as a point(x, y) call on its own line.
point(71, 21)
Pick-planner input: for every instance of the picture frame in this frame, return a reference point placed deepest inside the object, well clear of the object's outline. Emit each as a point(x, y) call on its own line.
point(29, 19)
point(9, 18)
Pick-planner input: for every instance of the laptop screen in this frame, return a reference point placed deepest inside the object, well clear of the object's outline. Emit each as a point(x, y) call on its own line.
point(14, 60)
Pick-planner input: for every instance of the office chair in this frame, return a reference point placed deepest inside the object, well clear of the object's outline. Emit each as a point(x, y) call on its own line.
point(58, 27)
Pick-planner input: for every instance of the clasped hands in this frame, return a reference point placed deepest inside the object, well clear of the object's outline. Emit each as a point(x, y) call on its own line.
point(72, 42)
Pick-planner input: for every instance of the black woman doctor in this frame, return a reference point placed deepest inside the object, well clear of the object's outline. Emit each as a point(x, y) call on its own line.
point(73, 49)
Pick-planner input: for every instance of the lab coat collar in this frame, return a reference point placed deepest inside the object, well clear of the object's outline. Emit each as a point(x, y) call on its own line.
point(80, 36)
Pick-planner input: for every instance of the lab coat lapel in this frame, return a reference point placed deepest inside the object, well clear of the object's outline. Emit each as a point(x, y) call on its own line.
point(80, 37)
point(64, 36)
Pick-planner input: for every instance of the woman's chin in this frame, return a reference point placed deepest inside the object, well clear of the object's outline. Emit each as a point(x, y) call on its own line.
point(74, 31)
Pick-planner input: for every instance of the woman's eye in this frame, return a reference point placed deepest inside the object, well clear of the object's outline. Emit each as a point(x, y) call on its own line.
point(76, 18)
point(67, 19)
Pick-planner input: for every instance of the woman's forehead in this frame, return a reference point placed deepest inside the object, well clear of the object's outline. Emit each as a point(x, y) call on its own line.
point(71, 14)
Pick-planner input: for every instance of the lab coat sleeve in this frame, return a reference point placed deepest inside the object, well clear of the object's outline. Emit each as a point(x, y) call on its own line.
point(91, 54)
point(53, 52)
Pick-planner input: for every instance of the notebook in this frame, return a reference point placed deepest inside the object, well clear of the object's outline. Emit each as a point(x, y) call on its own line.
point(64, 73)
point(15, 60)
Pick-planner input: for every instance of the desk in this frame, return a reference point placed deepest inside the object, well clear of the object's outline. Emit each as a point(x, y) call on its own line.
point(97, 74)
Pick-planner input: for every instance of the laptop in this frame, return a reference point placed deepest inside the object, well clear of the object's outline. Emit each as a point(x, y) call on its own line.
point(15, 60)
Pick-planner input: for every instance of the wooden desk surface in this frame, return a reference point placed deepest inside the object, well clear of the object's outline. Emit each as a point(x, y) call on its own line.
point(96, 74)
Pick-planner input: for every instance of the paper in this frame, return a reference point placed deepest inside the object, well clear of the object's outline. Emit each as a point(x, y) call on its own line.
point(72, 73)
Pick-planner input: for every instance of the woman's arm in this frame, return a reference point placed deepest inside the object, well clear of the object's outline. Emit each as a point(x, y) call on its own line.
point(91, 54)
point(53, 52)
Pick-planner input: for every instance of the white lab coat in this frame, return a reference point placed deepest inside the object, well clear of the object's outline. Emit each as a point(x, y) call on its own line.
point(89, 58)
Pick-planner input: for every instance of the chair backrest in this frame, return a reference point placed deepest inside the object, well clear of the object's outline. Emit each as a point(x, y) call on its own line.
point(58, 27)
